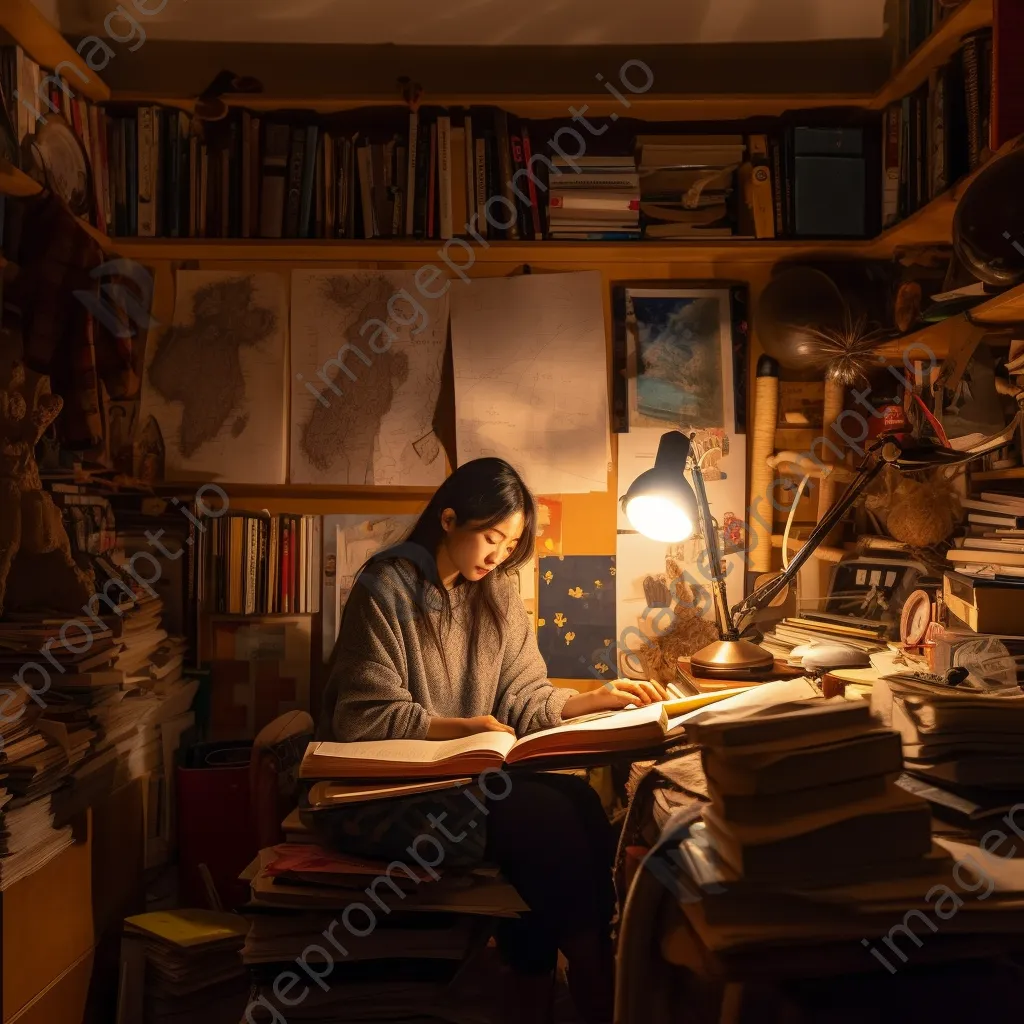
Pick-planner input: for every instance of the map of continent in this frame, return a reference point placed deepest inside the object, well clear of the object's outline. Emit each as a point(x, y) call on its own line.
point(214, 380)
point(367, 352)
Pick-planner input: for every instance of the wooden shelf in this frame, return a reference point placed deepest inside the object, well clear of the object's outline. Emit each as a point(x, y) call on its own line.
point(934, 52)
point(47, 47)
point(1016, 473)
point(399, 251)
point(15, 182)
point(647, 108)
point(1002, 309)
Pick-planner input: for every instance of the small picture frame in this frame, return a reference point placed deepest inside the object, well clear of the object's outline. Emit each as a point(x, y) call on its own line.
point(680, 355)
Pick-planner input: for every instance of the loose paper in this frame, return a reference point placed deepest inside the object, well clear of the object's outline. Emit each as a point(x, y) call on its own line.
point(531, 386)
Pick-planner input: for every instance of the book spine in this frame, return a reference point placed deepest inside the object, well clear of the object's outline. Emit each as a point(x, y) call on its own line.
point(444, 176)
point(410, 176)
point(505, 185)
point(891, 167)
point(293, 200)
point(308, 173)
point(480, 184)
point(536, 218)
point(432, 183)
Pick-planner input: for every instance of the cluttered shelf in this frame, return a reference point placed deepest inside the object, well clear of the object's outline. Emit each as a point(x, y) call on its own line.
point(934, 51)
point(23, 22)
point(1002, 309)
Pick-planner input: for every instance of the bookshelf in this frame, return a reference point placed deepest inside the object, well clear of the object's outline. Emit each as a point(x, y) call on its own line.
point(930, 224)
point(933, 52)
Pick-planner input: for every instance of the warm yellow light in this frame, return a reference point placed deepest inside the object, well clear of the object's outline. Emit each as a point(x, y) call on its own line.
point(659, 518)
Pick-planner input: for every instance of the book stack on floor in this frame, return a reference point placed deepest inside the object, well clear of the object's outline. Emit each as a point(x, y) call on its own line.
point(117, 713)
point(182, 966)
point(386, 936)
point(687, 184)
point(963, 747)
point(33, 764)
point(807, 838)
point(594, 198)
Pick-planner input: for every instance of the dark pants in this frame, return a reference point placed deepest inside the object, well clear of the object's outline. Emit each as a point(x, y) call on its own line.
point(554, 843)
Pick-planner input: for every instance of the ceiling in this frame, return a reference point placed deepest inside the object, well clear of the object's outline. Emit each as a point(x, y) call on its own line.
point(482, 22)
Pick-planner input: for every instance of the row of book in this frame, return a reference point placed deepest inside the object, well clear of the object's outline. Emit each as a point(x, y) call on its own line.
point(261, 564)
point(915, 21)
point(439, 173)
point(32, 98)
point(938, 133)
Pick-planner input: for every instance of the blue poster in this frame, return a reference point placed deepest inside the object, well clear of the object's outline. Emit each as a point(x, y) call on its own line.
point(576, 616)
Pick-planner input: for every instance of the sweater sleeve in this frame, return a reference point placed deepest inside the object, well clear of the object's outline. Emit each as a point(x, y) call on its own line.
point(526, 700)
point(368, 674)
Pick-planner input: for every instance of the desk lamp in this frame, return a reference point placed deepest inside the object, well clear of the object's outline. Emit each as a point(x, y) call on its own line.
point(661, 505)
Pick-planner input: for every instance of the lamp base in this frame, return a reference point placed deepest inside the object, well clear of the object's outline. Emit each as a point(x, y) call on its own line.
point(733, 659)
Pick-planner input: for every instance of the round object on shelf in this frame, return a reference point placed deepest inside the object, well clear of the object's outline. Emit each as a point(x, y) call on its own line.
point(57, 160)
point(794, 300)
point(916, 618)
point(988, 224)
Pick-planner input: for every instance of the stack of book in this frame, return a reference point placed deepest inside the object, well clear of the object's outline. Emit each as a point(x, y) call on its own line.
point(806, 791)
point(825, 628)
point(963, 746)
point(594, 198)
point(182, 966)
point(993, 541)
point(808, 839)
point(687, 184)
point(422, 926)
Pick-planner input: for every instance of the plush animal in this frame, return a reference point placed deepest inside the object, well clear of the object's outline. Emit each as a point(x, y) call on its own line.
point(37, 570)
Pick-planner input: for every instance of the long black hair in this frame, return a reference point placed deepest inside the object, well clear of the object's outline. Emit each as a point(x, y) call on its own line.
point(483, 493)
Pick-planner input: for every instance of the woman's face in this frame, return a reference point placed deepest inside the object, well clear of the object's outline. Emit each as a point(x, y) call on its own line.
point(475, 551)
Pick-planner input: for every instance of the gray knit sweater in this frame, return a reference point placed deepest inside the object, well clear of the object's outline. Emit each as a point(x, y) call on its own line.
point(387, 678)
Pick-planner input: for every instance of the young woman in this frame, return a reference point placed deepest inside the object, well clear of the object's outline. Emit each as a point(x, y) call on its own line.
point(435, 643)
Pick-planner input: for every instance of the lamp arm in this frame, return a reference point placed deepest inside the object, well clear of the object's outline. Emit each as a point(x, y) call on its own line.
point(726, 624)
point(763, 595)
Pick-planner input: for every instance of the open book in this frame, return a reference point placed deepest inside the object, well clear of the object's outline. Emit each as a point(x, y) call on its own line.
point(603, 732)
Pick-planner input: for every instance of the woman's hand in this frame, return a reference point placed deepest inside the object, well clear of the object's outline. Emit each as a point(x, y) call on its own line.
point(454, 728)
point(614, 696)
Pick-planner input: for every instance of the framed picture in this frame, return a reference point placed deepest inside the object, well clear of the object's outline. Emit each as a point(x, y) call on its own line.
point(680, 363)
point(680, 355)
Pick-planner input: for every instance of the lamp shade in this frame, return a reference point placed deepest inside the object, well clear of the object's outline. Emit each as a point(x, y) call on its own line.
point(660, 503)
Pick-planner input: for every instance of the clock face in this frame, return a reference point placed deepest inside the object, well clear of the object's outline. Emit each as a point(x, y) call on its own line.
point(917, 614)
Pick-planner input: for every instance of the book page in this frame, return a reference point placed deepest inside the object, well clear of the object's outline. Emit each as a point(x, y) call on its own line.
point(782, 691)
point(417, 751)
point(606, 721)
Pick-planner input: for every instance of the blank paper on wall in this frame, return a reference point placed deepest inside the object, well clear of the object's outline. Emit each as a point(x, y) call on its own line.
point(531, 380)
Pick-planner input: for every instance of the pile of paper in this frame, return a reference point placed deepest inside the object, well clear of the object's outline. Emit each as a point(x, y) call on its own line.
point(963, 746)
point(182, 966)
